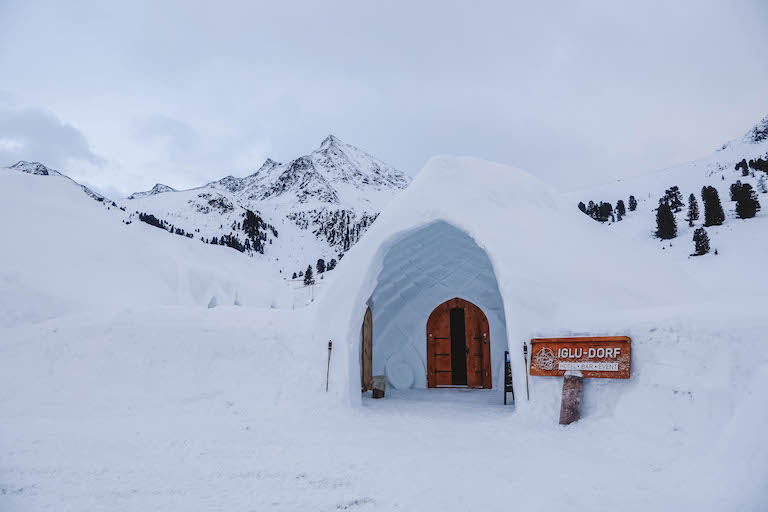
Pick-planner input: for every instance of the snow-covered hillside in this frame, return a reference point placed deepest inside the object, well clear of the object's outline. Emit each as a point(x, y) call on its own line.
point(38, 169)
point(64, 253)
point(740, 243)
point(317, 205)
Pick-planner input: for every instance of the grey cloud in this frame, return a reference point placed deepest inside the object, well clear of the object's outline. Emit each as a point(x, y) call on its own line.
point(179, 138)
point(38, 135)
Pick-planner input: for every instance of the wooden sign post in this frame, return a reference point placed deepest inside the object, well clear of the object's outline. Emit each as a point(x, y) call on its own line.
point(605, 357)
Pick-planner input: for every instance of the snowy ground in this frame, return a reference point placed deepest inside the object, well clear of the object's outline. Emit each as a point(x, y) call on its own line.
point(179, 409)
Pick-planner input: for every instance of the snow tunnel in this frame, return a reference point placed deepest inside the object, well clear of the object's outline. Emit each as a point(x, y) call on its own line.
point(436, 316)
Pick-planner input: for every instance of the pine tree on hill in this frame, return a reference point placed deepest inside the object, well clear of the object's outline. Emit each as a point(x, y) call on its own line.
point(582, 207)
point(604, 212)
point(591, 210)
point(747, 204)
point(743, 166)
point(735, 189)
point(620, 208)
point(693, 210)
point(632, 203)
point(294, 275)
point(700, 242)
point(673, 198)
point(331, 264)
point(713, 209)
point(320, 266)
point(666, 227)
point(759, 164)
point(308, 277)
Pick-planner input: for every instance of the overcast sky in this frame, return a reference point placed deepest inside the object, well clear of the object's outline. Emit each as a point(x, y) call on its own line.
point(121, 95)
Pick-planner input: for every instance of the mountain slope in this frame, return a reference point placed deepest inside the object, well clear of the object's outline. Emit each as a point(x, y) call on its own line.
point(319, 204)
point(87, 257)
point(739, 242)
point(38, 169)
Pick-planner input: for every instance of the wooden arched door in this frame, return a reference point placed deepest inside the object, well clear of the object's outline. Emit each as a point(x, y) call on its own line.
point(366, 365)
point(458, 346)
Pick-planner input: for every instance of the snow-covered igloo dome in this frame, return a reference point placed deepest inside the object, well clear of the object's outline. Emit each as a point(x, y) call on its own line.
point(475, 235)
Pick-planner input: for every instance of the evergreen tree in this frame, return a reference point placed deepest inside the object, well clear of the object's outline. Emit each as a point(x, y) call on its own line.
point(735, 189)
point(591, 210)
point(743, 166)
point(673, 198)
point(620, 208)
point(308, 277)
point(700, 242)
point(632, 203)
point(604, 212)
point(666, 227)
point(301, 273)
point(294, 275)
point(693, 210)
point(747, 204)
point(713, 209)
point(582, 207)
point(331, 264)
point(320, 266)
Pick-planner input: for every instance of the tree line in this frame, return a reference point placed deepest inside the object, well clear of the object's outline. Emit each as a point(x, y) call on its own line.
point(671, 203)
point(252, 226)
point(604, 211)
point(321, 266)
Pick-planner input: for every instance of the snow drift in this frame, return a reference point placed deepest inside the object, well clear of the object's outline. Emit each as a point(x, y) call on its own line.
point(65, 253)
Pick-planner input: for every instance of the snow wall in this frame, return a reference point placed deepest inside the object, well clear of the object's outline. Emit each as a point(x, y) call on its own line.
point(470, 228)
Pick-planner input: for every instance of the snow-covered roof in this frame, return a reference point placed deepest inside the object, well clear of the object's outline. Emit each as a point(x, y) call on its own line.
point(552, 265)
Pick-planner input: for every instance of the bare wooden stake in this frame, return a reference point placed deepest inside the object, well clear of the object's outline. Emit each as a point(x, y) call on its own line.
point(328, 370)
point(570, 406)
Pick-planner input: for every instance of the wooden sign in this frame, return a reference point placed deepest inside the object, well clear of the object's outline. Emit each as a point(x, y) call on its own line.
point(606, 357)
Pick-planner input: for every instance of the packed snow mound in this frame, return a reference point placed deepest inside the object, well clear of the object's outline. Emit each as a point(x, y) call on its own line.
point(551, 264)
point(67, 254)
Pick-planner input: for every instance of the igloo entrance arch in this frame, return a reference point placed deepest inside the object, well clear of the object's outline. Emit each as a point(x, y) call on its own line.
point(419, 272)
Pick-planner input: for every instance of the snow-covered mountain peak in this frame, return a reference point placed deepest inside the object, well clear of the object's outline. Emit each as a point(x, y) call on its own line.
point(33, 168)
point(329, 141)
point(332, 194)
point(268, 165)
point(159, 188)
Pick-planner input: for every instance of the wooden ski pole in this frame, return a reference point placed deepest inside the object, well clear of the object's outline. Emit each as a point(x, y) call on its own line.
point(525, 359)
point(328, 371)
